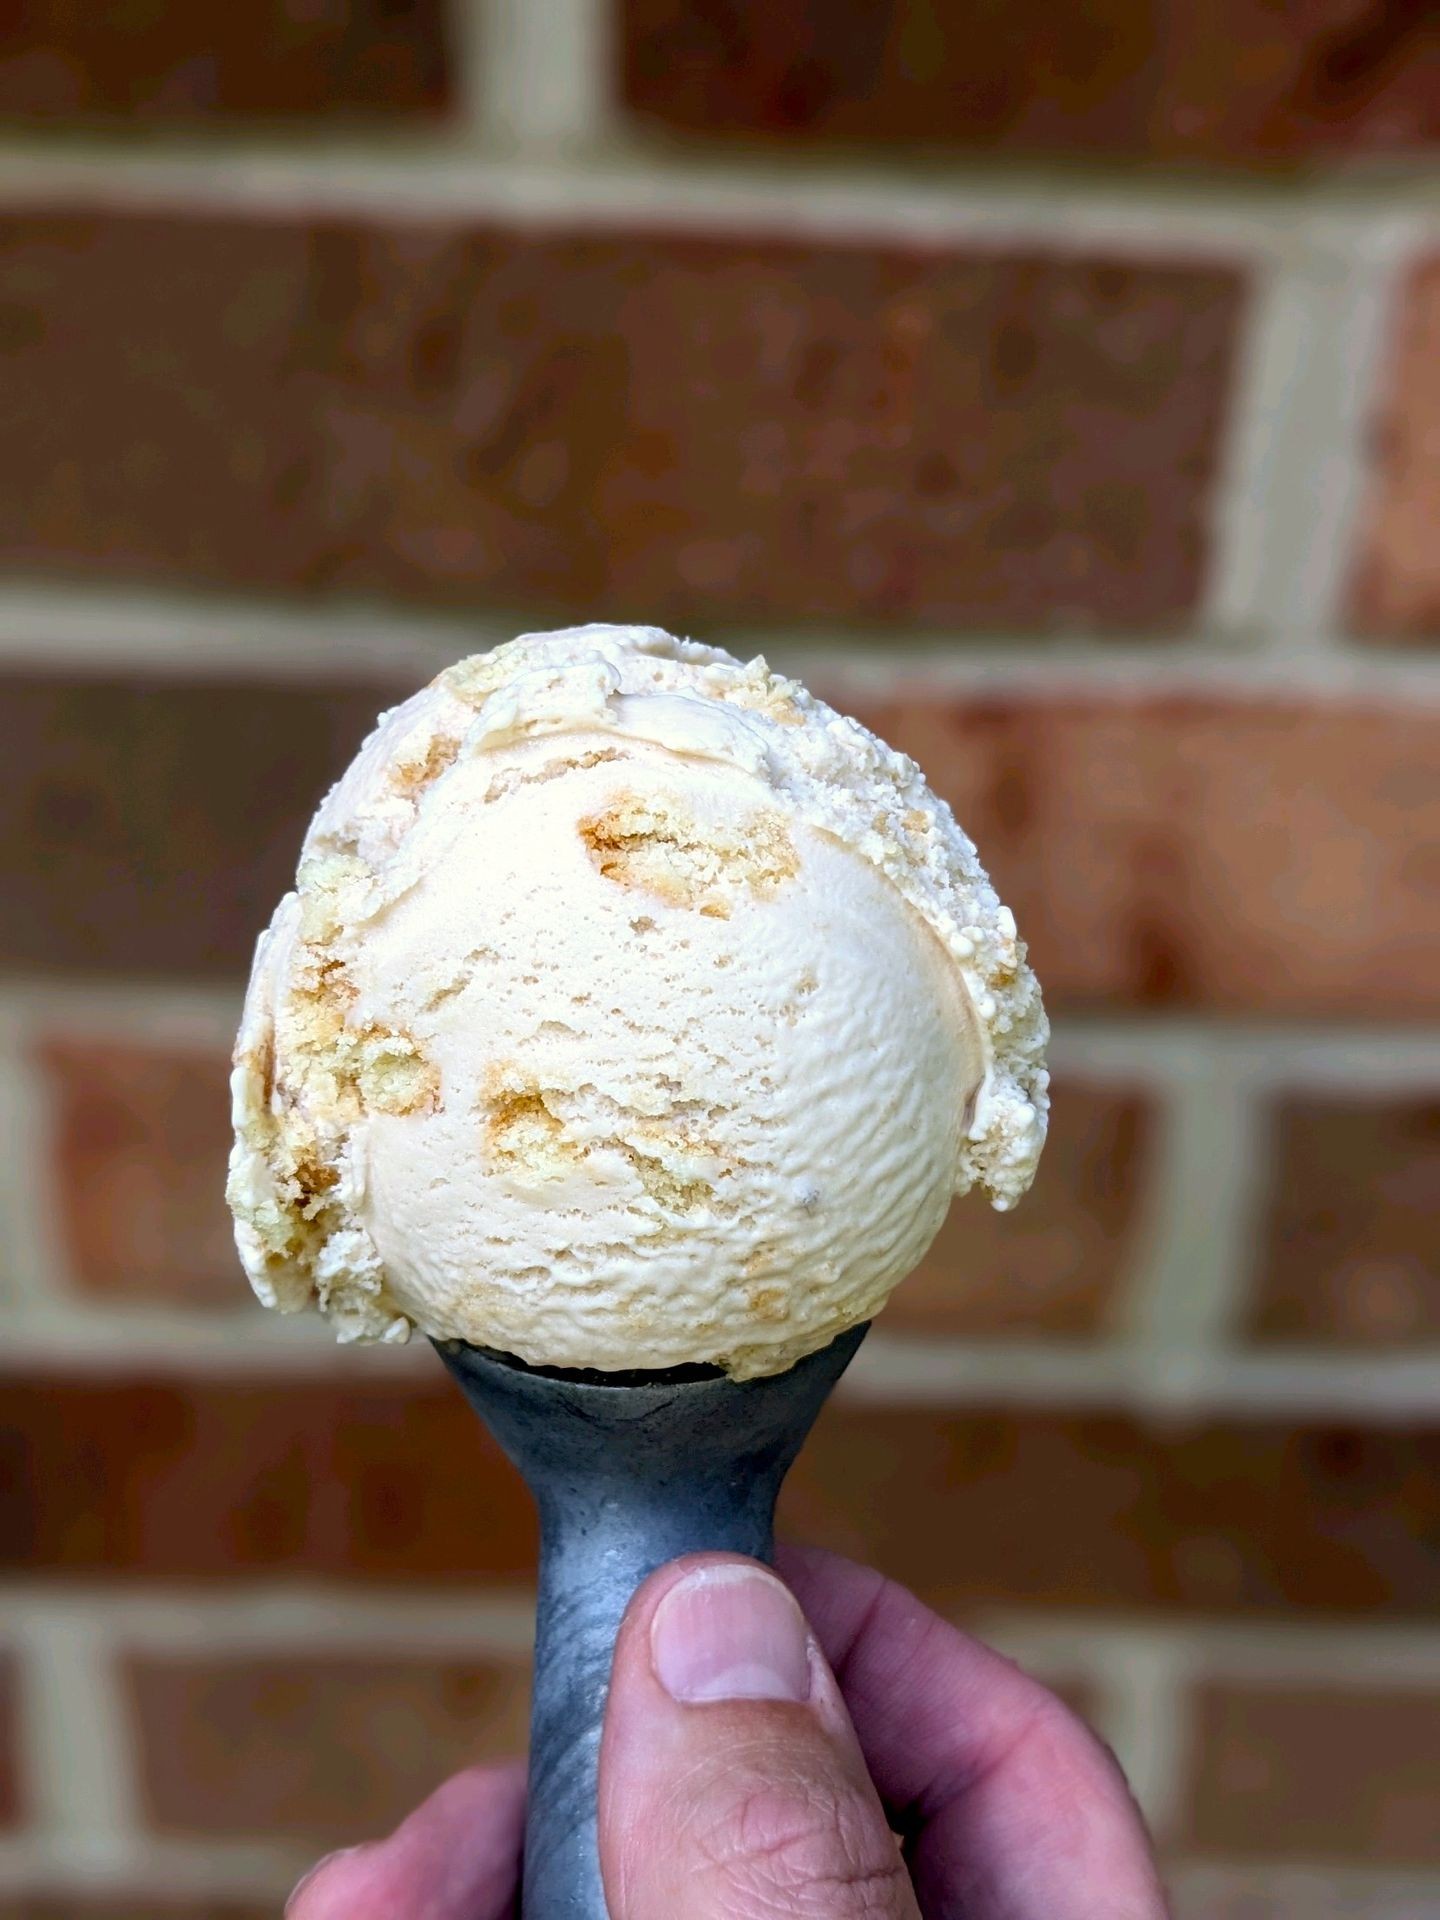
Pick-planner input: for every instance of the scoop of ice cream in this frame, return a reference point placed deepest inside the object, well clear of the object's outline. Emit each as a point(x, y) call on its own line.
point(633, 1008)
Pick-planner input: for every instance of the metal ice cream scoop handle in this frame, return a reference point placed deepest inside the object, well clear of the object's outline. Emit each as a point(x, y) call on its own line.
point(627, 1470)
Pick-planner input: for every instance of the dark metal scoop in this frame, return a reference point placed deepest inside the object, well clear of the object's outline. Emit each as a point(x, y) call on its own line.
point(627, 1470)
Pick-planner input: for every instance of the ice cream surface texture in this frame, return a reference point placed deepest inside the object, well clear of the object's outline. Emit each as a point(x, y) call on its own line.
point(633, 1008)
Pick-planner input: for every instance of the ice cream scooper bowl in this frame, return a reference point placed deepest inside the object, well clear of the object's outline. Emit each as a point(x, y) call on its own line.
point(628, 1470)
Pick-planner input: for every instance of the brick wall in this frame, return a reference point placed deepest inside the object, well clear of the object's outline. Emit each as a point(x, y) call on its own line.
point(1062, 394)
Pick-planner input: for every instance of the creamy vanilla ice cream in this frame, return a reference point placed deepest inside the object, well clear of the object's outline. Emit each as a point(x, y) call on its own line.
point(632, 1008)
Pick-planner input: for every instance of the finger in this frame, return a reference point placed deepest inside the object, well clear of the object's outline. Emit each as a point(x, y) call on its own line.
point(731, 1783)
point(457, 1857)
point(1016, 1808)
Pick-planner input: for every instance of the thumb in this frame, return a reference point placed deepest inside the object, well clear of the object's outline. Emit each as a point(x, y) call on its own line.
point(732, 1786)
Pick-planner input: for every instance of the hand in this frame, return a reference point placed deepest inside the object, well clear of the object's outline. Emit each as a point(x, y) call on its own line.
point(736, 1775)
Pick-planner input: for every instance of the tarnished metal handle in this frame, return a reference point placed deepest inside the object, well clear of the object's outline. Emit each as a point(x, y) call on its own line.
point(628, 1471)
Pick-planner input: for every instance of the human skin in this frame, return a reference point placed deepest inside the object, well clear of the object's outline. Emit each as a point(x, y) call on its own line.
point(726, 1797)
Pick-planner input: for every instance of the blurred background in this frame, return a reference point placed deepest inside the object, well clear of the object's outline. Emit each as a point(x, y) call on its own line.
point(1055, 385)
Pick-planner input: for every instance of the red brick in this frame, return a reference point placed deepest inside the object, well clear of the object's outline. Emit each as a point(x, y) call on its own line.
point(1350, 1243)
point(690, 429)
point(208, 1479)
point(1396, 593)
point(1149, 847)
point(314, 1748)
point(1080, 1511)
point(1263, 857)
point(142, 1135)
point(214, 1478)
point(1056, 1264)
point(1146, 79)
point(11, 1807)
point(153, 825)
point(1317, 1773)
point(173, 61)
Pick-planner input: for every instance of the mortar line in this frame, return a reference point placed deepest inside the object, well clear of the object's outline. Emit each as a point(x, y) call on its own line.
point(256, 1615)
point(1286, 1651)
point(181, 1016)
point(894, 1370)
point(634, 187)
point(1145, 1050)
point(47, 627)
point(31, 1864)
point(39, 1862)
point(36, 1265)
point(545, 76)
point(79, 1756)
point(1320, 1889)
point(1288, 503)
point(1161, 1091)
point(1260, 388)
point(1145, 1710)
point(1279, 1055)
point(250, 1620)
point(242, 1342)
point(1290, 667)
point(1146, 1383)
point(1197, 1275)
point(467, 30)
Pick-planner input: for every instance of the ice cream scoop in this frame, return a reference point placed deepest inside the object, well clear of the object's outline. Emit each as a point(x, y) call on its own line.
point(631, 1026)
point(628, 1471)
point(632, 1009)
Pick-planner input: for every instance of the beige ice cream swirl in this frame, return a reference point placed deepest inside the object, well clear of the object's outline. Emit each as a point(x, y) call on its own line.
point(632, 1008)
